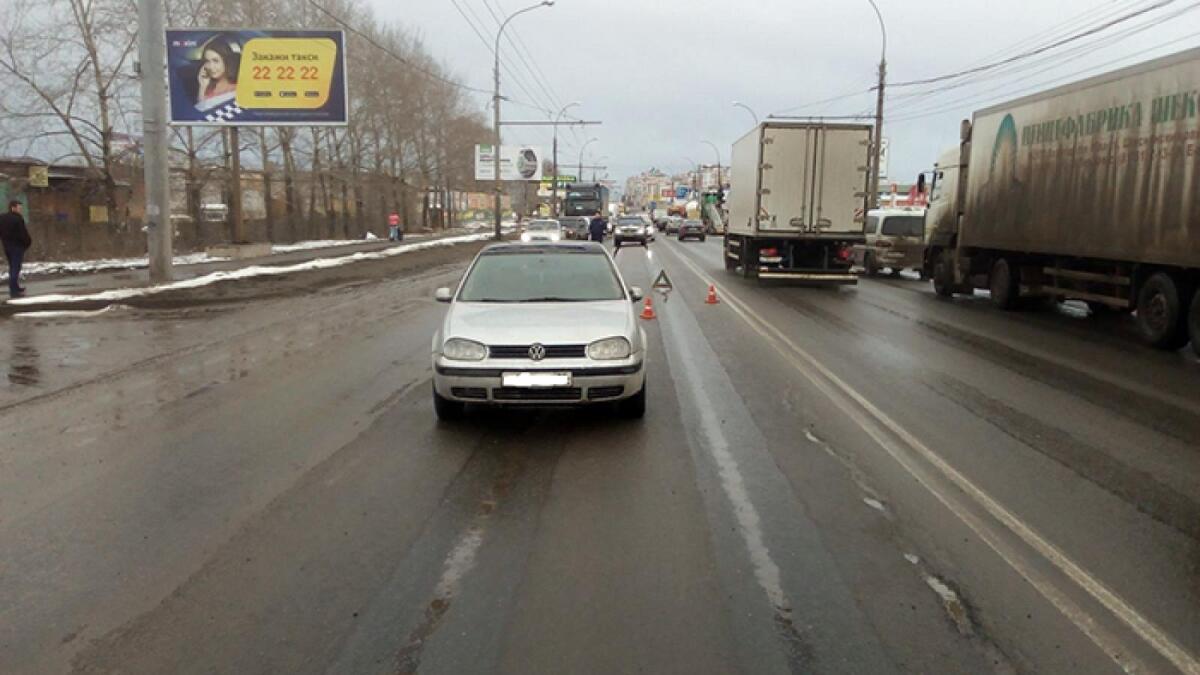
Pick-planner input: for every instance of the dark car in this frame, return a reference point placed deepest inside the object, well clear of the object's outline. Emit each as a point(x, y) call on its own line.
point(575, 227)
point(691, 228)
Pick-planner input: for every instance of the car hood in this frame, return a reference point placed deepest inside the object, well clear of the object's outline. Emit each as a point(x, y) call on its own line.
point(547, 323)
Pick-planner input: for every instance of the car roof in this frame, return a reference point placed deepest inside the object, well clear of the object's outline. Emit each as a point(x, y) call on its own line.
point(549, 246)
point(896, 212)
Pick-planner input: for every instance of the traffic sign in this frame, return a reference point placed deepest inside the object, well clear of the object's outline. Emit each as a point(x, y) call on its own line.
point(662, 282)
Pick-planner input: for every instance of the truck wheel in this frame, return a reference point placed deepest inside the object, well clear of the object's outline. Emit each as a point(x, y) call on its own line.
point(1194, 322)
point(1160, 317)
point(1005, 285)
point(943, 284)
point(730, 263)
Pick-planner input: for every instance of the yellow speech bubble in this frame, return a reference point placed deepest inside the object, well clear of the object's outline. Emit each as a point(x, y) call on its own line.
point(294, 73)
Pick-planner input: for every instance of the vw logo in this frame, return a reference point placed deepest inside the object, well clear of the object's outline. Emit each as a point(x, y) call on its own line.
point(537, 352)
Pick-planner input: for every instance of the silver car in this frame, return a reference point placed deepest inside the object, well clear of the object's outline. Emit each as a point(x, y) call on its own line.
point(542, 230)
point(540, 324)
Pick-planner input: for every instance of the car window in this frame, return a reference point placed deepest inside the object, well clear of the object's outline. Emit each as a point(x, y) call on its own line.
point(693, 223)
point(904, 226)
point(542, 275)
point(630, 221)
point(542, 226)
point(872, 225)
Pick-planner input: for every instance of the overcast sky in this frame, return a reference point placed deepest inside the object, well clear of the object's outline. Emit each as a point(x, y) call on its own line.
point(661, 74)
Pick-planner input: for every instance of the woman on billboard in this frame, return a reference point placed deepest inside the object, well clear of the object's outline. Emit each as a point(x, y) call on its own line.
point(218, 74)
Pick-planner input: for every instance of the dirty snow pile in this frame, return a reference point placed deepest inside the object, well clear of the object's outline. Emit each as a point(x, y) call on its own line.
point(247, 272)
point(106, 264)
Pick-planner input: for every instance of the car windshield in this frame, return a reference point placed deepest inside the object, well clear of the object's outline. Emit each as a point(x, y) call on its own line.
point(542, 275)
point(693, 223)
point(904, 226)
point(631, 221)
point(542, 226)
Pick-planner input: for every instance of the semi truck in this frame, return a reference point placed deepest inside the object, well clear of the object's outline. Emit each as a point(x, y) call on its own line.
point(1088, 191)
point(797, 200)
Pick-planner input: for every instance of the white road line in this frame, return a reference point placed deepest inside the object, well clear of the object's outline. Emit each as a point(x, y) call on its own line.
point(838, 391)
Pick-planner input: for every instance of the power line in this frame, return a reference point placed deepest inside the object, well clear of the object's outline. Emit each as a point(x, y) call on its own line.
point(831, 99)
point(478, 33)
point(987, 95)
point(1039, 50)
point(520, 56)
point(370, 40)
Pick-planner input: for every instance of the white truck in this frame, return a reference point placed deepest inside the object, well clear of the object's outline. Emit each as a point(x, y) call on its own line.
point(798, 200)
point(1089, 191)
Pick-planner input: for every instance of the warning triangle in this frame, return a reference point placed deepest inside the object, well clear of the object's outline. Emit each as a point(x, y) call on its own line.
point(662, 282)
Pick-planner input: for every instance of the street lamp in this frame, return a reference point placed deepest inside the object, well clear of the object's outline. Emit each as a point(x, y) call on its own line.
point(496, 105)
point(720, 184)
point(572, 104)
point(878, 149)
point(589, 142)
point(739, 104)
point(695, 181)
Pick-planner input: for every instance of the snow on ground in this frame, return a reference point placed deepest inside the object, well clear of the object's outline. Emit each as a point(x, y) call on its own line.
point(245, 272)
point(105, 264)
point(70, 313)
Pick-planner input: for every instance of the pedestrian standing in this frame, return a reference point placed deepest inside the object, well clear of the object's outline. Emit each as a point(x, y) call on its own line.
point(596, 228)
point(16, 240)
point(394, 232)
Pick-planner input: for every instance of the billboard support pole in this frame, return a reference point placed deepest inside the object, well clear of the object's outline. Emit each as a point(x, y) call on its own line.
point(152, 66)
point(235, 194)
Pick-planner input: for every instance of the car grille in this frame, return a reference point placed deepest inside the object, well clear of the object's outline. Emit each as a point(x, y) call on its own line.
point(469, 392)
point(549, 394)
point(552, 351)
point(595, 393)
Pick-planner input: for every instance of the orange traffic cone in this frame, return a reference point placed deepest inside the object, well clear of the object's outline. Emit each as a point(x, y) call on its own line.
point(712, 295)
point(648, 310)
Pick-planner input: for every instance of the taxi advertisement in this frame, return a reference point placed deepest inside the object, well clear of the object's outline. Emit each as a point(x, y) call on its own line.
point(256, 77)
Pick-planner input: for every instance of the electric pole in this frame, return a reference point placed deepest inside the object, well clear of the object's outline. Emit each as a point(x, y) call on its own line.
point(873, 201)
point(152, 66)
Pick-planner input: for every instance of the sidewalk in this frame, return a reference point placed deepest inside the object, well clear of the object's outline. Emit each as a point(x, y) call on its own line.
point(84, 291)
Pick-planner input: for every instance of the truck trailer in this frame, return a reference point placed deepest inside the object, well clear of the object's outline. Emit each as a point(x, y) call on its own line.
point(797, 203)
point(1089, 191)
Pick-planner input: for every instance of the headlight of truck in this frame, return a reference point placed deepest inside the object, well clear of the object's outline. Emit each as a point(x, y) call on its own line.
point(609, 349)
point(458, 349)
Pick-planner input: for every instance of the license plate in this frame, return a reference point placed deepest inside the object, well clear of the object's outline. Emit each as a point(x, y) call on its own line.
point(536, 380)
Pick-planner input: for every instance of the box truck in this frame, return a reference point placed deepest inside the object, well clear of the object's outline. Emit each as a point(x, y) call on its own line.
point(797, 201)
point(1089, 191)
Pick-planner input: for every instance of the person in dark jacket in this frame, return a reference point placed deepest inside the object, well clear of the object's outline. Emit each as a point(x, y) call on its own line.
point(597, 228)
point(15, 238)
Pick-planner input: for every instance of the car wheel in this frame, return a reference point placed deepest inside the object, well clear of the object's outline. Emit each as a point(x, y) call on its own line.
point(1004, 284)
point(702, 238)
point(942, 280)
point(634, 407)
point(447, 410)
point(1160, 316)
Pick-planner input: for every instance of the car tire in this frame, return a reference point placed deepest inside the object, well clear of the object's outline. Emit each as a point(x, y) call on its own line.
point(702, 238)
point(634, 407)
point(447, 410)
point(1161, 320)
point(942, 275)
point(870, 266)
point(1004, 285)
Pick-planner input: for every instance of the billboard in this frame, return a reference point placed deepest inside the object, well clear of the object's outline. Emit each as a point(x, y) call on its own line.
point(517, 162)
point(256, 77)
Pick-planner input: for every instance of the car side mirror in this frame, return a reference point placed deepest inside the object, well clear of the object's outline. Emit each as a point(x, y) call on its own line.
point(635, 294)
point(442, 295)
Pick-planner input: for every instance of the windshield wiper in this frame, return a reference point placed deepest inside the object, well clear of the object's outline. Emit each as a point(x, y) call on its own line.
point(552, 298)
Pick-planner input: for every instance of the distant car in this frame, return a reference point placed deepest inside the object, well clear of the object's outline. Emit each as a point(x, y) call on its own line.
point(690, 229)
point(540, 324)
point(673, 224)
point(631, 229)
point(575, 227)
point(542, 230)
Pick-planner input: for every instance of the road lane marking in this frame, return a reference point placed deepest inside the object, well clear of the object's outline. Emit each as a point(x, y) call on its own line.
point(838, 391)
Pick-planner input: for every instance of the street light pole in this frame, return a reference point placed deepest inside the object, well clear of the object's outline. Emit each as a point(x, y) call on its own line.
point(496, 107)
point(554, 179)
point(589, 142)
point(152, 65)
point(878, 146)
point(720, 183)
point(739, 104)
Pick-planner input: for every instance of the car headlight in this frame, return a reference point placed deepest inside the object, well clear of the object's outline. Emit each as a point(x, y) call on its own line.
point(526, 237)
point(555, 236)
point(458, 349)
point(609, 349)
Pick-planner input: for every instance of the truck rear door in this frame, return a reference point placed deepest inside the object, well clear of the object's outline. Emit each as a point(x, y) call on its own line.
point(813, 179)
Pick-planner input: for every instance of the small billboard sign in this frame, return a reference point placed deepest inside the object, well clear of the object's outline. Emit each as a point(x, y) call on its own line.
point(517, 162)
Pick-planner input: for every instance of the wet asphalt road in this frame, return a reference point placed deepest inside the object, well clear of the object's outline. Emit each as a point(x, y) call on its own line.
point(855, 480)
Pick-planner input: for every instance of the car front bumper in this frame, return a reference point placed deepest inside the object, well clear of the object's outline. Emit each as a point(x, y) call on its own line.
point(591, 382)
